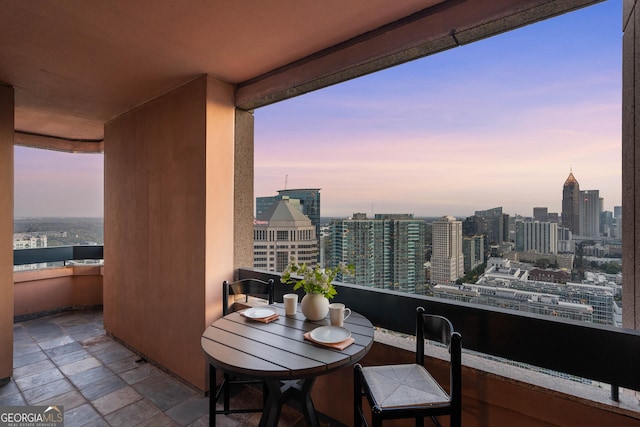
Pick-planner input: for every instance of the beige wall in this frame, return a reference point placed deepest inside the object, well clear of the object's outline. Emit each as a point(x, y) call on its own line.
point(169, 209)
point(51, 289)
point(6, 232)
point(630, 172)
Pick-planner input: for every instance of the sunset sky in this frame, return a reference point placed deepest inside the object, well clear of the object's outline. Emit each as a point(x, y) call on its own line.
point(500, 122)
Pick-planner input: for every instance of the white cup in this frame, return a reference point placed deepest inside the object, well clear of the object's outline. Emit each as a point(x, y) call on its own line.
point(338, 313)
point(290, 304)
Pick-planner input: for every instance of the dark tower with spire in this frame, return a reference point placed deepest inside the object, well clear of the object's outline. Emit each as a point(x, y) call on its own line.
point(571, 204)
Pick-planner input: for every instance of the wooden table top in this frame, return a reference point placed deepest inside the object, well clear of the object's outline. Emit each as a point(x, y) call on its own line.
point(278, 350)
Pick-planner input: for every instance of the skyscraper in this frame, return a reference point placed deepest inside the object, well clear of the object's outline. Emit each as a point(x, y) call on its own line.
point(540, 237)
point(590, 207)
point(280, 233)
point(387, 252)
point(447, 261)
point(308, 202)
point(571, 204)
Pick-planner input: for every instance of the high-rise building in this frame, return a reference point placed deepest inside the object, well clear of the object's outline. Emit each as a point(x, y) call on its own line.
point(281, 233)
point(387, 251)
point(571, 204)
point(447, 261)
point(496, 225)
point(307, 200)
point(541, 214)
point(589, 208)
point(536, 236)
point(473, 252)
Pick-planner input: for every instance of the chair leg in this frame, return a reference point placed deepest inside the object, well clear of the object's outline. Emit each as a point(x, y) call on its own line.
point(212, 396)
point(357, 397)
point(225, 392)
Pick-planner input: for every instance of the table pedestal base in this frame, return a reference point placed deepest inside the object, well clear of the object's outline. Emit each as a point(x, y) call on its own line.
point(280, 392)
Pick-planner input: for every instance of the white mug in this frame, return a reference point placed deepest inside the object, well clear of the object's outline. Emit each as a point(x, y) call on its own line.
point(290, 304)
point(338, 313)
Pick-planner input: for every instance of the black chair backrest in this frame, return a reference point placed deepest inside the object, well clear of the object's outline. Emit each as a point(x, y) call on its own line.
point(431, 327)
point(248, 287)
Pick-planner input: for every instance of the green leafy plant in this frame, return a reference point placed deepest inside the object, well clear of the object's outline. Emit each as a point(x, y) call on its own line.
point(315, 280)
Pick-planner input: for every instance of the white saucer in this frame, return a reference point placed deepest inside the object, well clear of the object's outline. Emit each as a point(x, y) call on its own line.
point(330, 334)
point(259, 312)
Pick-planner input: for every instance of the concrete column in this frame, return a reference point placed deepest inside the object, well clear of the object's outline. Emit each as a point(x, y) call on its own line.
point(6, 233)
point(169, 223)
point(244, 197)
point(630, 161)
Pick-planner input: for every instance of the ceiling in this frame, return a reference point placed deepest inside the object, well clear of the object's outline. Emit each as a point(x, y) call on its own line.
point(74, 64)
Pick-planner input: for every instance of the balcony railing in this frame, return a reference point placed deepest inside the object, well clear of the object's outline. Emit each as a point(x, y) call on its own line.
point(61, 254)
point(601, 353)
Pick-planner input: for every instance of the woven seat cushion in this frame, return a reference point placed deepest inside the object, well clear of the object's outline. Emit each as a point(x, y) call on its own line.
point(403, 385)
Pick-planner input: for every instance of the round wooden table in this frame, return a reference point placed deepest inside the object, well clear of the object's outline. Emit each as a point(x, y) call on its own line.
point(278, 353)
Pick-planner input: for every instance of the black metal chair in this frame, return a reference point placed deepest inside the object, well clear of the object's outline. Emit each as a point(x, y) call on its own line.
point(247, 288)
point(409, 390)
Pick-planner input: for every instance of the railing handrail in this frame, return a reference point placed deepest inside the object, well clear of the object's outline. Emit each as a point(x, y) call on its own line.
point(57, 254)
point(598, 352)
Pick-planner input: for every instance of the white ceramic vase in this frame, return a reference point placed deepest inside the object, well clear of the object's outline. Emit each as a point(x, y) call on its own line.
point(314, 306)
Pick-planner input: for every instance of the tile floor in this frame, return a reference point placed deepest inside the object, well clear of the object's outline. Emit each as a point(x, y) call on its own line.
point(67, 359)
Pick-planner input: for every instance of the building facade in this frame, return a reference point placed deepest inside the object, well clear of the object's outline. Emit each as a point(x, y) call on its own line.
point(447, 261)
point(387, 251)
point(282, 233)
point(307, 200)
point(571, 204)
point(473, 252)
point(589, 208)
point(536, 236)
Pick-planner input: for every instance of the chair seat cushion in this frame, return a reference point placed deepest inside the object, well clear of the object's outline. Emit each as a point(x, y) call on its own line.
point(403, 385)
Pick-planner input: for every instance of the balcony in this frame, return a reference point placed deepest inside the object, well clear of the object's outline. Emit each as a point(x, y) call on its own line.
point(495, 393)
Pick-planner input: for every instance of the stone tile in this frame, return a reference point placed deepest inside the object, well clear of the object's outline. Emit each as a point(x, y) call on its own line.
point(113, 354)
point(20, 360)
point(103, 387)
point(27, 359)
point(71, 399)
point(39, 379)
point(65, 359)
point(80, 366)
point(125, 364)
point(90, 376)
point(56, 342)
point(203, 421)
point(82, 415)
point(134, 414)
point(161, 421)
point(141, 372)
point(189, 411)
point(33, 368)
point(63, 349)
point(24, 347)
point(9, 388)
point(116, 400)
point(48, 391)
point(12, 400)
point(164, 392)
point(97, 423)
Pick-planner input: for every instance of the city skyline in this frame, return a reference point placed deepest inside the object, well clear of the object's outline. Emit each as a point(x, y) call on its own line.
point(500, 122)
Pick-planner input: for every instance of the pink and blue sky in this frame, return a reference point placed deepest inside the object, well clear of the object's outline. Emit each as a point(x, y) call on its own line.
point(500, 122)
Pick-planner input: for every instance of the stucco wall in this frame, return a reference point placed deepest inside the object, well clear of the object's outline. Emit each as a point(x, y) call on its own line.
point(46, 290)
point(6, 232)
point(169, 222)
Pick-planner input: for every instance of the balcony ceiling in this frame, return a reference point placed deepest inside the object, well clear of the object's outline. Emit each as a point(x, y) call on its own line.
point(74, 64)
